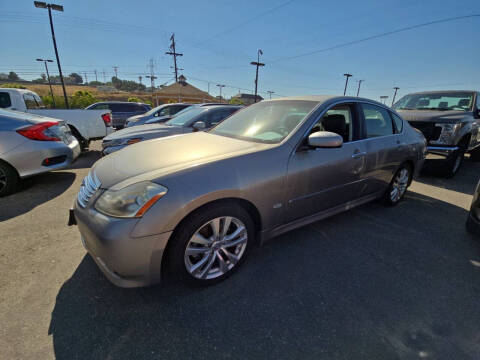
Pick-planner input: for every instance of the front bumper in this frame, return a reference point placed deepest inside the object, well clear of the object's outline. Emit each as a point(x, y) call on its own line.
point(440, 152)
point(125, 260)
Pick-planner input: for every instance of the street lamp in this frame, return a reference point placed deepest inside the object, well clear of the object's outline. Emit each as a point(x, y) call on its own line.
point(384, 98)
point(270, 93)
point(44, 5)
point(48, 77)
point(220, 86)
point(257, 64)
point(359, 83)
point(395, 94)
point(346, 82)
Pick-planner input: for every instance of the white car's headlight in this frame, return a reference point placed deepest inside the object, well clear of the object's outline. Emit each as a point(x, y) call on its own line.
point(448, 132)
point(131, 201)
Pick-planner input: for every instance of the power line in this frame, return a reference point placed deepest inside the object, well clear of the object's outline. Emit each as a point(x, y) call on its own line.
point(349, 43)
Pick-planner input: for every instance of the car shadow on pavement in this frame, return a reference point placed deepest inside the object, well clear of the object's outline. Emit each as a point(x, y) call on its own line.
point(35, 191)
point(371, 283)
point(86, 160)
point(464, 181)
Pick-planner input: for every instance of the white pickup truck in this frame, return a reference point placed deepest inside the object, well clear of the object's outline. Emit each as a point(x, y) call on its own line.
point(86, 125)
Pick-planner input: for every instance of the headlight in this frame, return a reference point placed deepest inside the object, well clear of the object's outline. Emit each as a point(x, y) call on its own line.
point(131, 201)
point(448, 132)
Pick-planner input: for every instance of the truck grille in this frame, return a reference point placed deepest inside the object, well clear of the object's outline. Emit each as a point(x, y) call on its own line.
point(90, 185)
point(428, 129)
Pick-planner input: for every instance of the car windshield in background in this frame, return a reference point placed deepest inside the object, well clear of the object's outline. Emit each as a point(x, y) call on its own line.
point(436, 101)
point(184, 118)
point(266, 121)
point(153, 111)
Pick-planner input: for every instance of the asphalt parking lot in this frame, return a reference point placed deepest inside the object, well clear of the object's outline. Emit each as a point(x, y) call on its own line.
point(371, 283)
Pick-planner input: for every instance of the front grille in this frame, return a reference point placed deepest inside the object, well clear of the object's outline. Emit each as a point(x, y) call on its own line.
point(428, 129)
point(90, 185)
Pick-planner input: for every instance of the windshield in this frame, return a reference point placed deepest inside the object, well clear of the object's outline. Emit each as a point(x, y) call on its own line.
point(266, 121)
point(185, 118)
point(436, 101)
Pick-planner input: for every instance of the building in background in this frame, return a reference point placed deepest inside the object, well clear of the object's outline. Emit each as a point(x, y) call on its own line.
point(247, 99)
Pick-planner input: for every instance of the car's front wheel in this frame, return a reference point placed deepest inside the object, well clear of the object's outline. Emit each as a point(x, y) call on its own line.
point(398, 186)
point(454, 162)
point(211, 244)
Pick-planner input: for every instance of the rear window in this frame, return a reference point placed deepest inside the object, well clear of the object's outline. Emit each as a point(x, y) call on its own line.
point(5, 100)
point(30, 101)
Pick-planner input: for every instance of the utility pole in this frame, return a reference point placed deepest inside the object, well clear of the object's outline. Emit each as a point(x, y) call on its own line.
point(95, 71)
point(48, 78)
point(359, 83)
point(220, 86)
point(394, 94)
point(140, 80)
point(86, 79)
point(257, 64)
point(174, 53)
point(104, 77)
point(384, 98)
point(115, 68)
point(346, 82)
point(270, 93)
point(44, 5)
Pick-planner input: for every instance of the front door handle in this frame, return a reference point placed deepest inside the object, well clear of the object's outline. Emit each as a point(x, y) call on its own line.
point(358, 154)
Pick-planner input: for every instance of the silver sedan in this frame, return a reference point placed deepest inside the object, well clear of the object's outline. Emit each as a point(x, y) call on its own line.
point(32, 144)
point(195, 204)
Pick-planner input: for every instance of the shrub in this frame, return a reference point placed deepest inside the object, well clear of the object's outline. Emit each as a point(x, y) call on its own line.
point(134, 99)
point(13, 86)
point(81, 99)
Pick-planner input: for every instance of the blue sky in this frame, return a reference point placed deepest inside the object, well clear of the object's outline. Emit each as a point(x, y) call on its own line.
point(220, 38)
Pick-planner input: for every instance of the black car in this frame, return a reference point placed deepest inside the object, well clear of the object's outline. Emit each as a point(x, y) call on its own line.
point(161, 113)
point(473, 222)
point(121, 110)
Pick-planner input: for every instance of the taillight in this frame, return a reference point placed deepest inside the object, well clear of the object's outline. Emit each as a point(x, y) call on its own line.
point(40, 132)
point(107, 119)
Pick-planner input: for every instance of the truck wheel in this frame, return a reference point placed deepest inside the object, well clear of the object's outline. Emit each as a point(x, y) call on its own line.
point(475, 154)
point(8, 179)
point(454, 162)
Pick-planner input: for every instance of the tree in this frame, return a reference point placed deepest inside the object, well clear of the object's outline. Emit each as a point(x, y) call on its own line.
point(81, 99)
point(77, 79)
point(41, 80)
point(134, 99)
point(13, 76)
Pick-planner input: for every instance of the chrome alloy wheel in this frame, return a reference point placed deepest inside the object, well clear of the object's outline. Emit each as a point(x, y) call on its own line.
point(216, 247)
point(3, 180)
point(399, 185)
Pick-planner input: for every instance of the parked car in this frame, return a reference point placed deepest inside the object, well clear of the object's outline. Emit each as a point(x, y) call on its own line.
point(121, 110)
point(193, 119)
point(30, 145)
point(161, 113)
point(473, 221)
point(197, 203)
point(450, 121)
point(84, 125)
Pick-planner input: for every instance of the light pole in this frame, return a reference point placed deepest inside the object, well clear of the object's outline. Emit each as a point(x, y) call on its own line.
point(384, 98)
point(395, 94)
point(257, 64)
point(220, 86)
point(270, 93)
point(359, 83)
point(346, 82)
point(48, 78)
point(44, 5)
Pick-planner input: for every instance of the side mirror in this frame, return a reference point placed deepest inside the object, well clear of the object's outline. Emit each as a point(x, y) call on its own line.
point(325, 139)
point(199, 126)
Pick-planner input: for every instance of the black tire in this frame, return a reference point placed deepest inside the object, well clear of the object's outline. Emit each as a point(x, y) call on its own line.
point(9, 179)
point(389, 199)
point(454, 162)
point(475, 154)
point(84, 143)
point(176, 267)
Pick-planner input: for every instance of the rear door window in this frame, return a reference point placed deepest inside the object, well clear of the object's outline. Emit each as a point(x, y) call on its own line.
point(377, 121)
point(398, 123)
point(30, 101)
point(5, 101)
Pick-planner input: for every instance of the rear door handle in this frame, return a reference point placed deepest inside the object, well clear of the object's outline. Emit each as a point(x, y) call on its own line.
point(358, 154)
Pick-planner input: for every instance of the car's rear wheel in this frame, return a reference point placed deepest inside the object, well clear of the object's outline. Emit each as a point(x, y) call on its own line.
point(8, 179)
point(398, 186)
point(211, 244)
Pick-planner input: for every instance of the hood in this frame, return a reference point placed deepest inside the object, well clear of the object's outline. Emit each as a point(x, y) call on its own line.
point(161, 157)
point(450, 116)
point(149, 131)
